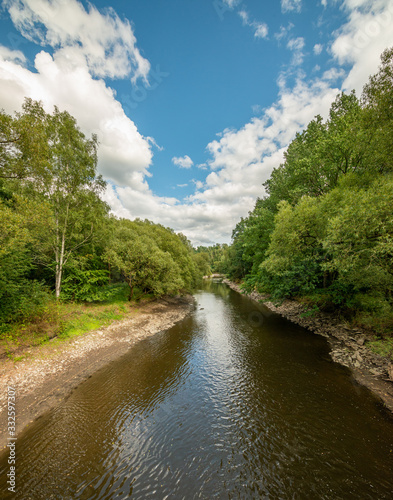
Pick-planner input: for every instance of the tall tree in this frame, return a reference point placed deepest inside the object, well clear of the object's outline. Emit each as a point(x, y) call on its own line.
point(377, 100)
point(72, 190)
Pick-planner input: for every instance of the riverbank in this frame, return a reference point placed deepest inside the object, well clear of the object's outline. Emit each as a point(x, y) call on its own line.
point(349, 347)
point(53, 370)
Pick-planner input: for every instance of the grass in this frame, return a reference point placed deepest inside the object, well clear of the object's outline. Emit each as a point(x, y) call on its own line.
point(63, 321)
point(383, 347)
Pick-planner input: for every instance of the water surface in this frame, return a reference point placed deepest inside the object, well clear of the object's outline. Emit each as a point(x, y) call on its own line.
point(233, 402)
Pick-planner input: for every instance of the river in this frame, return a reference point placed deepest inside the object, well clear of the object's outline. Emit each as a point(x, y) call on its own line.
point(233, 402)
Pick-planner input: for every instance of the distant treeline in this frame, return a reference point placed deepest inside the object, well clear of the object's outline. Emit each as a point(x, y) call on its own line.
point(324, 233)
point(57, 237)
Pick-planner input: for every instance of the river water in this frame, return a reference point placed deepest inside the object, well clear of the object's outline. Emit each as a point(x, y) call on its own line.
point(233, 402)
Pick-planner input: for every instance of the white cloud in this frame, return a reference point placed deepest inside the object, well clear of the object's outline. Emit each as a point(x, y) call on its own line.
point(244, 16)
point(333, 74)
point(198, 184)
point(363, 38)
point(65, 79)
point(318, 48)
point(296, 45)
point(61, 81)
point(284, 30)
point(261, 30)
point(231, 3)
point(240, 160)
point(105, 41)
point(183, 161)
point(12, 55)
point(291, 5)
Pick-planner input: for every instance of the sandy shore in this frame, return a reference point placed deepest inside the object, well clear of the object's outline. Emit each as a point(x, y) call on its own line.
point(51, 372)
point(348, 346)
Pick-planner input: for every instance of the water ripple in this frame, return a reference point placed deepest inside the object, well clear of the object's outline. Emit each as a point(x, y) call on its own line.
point(217, 407)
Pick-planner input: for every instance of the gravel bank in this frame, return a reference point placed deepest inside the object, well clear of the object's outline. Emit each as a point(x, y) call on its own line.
point(51, 372)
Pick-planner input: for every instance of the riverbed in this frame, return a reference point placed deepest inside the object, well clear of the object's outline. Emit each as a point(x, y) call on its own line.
point(232, 402)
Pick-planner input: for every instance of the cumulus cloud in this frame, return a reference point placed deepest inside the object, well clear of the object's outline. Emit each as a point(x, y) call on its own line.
point(107, 43)
point(65, 79)
point(291, 5)
point(239, 160)
point(12, 55)
point(361, 40)
point(261, 30)
point(183, 161)
point(333, 74)
point(231, 3)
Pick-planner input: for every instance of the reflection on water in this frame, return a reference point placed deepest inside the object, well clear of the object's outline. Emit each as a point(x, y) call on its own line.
point(233, 402)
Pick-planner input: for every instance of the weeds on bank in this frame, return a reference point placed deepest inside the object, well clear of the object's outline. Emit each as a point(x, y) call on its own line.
point(383, 347)
point(63, 321)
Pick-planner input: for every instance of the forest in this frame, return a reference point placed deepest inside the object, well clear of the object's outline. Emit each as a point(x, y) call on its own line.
point(323, 233)
point(58, 241)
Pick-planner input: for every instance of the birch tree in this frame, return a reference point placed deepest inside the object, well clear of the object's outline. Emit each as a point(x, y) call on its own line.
point(72, 190)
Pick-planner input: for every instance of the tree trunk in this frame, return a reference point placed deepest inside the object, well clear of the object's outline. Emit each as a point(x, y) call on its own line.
point(59, 268)
point(60, 258)
point(57, 275)
point(131, 285)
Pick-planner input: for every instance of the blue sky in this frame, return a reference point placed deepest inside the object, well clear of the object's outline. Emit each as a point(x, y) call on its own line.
point(193, 101)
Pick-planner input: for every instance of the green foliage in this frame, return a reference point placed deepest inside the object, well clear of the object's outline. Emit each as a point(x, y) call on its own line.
point(202, 262)
point(88, 285)
point(150, 257)
point(22, 224)
point(325, 233)
point(55, 231)
point(214, 258)
point(360, 238)
point(24, 147)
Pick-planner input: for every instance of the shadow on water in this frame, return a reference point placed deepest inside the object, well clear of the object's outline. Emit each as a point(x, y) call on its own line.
point(233, 402)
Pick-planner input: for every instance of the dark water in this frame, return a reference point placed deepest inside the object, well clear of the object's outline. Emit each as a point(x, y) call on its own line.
point(230, 403)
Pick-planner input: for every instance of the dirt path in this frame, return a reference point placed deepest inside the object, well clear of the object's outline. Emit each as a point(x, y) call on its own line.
point(51, 372)
point(348, 346)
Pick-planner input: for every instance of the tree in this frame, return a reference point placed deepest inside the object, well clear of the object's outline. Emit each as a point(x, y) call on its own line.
point(24, 148)
point(139, 259)
point(72, 190)
point(23, 224)
point(295, 253)
point(377, 99)
point(47, 158)
point(319, 156)
point(360, 238)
